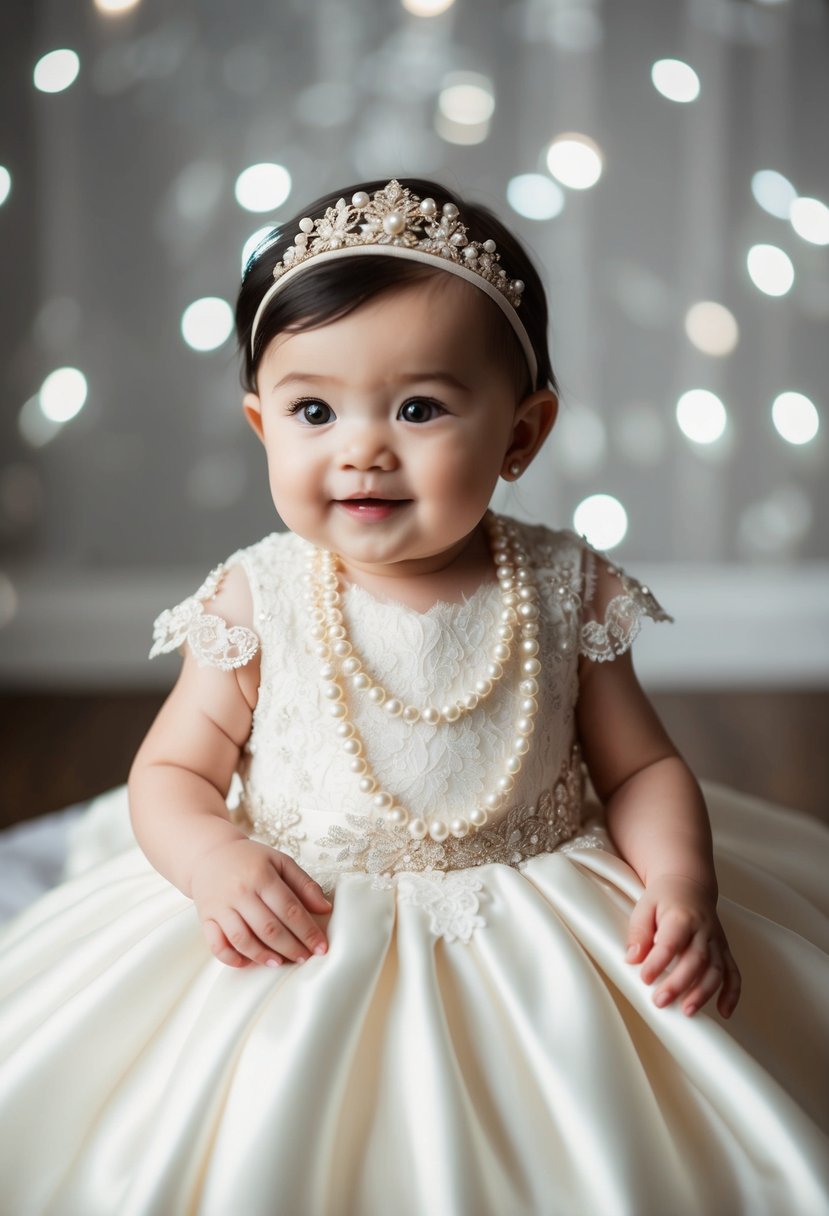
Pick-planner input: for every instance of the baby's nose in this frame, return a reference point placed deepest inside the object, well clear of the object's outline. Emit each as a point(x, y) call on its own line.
point(369, 449)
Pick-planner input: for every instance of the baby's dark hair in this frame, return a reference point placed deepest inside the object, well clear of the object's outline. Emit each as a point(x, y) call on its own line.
point(328, 291)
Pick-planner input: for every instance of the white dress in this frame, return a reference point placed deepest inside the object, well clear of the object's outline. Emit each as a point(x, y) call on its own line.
point(473, 1043)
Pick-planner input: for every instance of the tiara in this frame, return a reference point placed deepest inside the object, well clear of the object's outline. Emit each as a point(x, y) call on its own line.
point(394, 222)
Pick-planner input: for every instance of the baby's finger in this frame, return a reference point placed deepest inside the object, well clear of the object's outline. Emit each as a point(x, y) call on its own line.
point(672, 937)
point(641, 927)
point(221, 947)
point(272, 936)
point(704, 989)
point(308, 890)
point(243, 940)
point(286, 924)
point(732, 985)
point(691, 966)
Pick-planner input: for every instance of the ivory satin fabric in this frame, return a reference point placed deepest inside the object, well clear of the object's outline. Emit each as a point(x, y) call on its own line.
point(523, 1072)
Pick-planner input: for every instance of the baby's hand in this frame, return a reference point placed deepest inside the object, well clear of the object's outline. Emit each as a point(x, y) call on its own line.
point(676, 921)
point(257, 905)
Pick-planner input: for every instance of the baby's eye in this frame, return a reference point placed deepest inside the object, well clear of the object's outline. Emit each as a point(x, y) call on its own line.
point(419, 409)
point(315, 413)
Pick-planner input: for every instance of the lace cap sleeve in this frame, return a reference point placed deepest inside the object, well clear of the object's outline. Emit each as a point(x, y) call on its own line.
point(614, 605)
point(213, 643)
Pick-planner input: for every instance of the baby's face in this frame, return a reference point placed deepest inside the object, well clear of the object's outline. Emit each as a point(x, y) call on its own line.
point(386, 431)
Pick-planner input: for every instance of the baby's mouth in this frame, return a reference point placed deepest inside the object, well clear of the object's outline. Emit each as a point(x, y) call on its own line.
point(373, 508)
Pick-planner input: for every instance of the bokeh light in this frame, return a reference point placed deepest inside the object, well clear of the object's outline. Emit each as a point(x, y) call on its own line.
point(774, 526)
point(426, 8)
point(602, 519)
point(810, 220)
point(575, 160)
point(467, 98)
point(207, 323)
point(535, 196)
point(773, 192)
point(115, 7)
point(712, 328)
point(464, 133)
point(263, 187)
point(795, 418)
point(675, 80)
point(639, 432)
point(701, 416)
point(56, 71)
point(770, 269)
point(63, 394)
point(5, 184)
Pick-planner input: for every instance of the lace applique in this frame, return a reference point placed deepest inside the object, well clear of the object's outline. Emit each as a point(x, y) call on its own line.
point(213, 644)
point(372, 847)
point(605, 640)
point(273, 822)
point(451, 899)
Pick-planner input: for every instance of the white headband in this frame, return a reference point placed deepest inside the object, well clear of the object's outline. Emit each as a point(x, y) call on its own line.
point(394, 222)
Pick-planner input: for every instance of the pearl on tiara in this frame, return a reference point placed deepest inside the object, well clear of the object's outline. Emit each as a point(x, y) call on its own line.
point(395, 222)
point(341, 665)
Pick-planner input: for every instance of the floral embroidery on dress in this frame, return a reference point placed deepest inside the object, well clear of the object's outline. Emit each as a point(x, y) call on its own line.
point(273, 822)
point(210, 639)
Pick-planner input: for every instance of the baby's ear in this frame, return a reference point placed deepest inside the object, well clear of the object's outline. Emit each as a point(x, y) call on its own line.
point(253, 412)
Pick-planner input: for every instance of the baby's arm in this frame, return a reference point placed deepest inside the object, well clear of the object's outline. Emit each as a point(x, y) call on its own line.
point(657, 818)
point(255, 903)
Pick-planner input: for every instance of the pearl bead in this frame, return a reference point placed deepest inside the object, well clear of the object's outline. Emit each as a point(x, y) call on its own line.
point(360, 681)
point(328, 671)
point(513, 765)
point(418, 828)
point(478, 817)
point(523, 575)
point(459, 827)
point(382, 800)
point(336, 631)
point(528, 705)
point(358, 765)
point(450, 211)
point(530, 629)
point(338, 710)
point(505, 784)
point(317, 632)
point(494, 671)
point(376, 694)
point(528, 688)
point(493, 801)
point(368, 785)
point(332, 692)
point(394, 223)
point(431, 715)
point(393, 707)
point(527, 611)
point(428, 206)
point(531, 667)
point(529, 647)
point(483, 687)
point(438, 830)
point(506, 633)
point(397, 816)
point(352, 747)
point(520, 746)
point(470, 701)
point(450, 713)
point(351, 666)
point(342, 648)
point(411, 713)
point(525, 593)
point(525, 726)
point(345, 730)
point(359, 200)
point(501, 652)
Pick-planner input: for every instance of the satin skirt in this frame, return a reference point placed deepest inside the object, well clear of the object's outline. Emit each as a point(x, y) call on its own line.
point(525, 1072)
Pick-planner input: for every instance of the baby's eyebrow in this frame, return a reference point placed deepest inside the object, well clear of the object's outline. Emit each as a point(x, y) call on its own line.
point(406, 378)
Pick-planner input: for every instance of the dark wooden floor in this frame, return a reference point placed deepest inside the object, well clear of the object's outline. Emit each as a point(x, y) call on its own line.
point(59, 749)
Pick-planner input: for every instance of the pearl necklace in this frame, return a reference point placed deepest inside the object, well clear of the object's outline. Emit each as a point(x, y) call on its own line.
point(340, 663)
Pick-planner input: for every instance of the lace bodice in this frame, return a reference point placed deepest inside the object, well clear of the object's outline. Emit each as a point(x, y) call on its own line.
point(297, 791)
